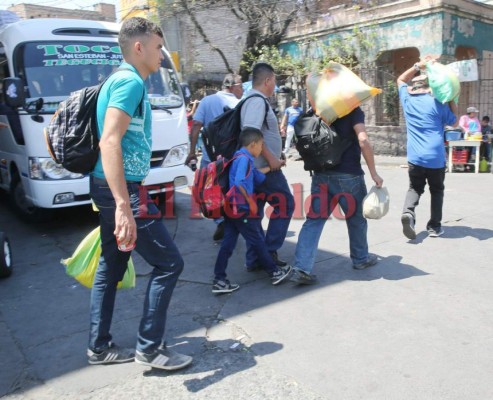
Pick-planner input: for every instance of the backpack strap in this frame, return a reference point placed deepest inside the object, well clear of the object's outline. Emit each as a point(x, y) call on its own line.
point(141, 104)
point(267, 106)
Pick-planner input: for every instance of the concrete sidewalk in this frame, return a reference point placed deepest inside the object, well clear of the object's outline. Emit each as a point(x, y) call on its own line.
point(418, 325)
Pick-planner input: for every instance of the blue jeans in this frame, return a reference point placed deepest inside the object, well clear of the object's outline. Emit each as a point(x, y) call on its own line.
point(251, 231)
point(155, 245)
point(329, 189)
point(275, 191)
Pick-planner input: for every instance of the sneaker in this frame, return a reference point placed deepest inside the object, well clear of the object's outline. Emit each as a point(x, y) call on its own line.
point(219, 233)
point(275, 257)
point(371, 261)
point(281, 274)
point(225, 286)
point(408, 226)
point(113, 354)
point(302, 278)
point(435, 232)
point(163, 358)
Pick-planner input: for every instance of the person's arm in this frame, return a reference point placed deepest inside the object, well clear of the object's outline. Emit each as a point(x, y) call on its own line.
point(116, 123)
point(274, 163)
point(284, 123)
point(194, 136)
point(242, 174)
point(252, 116)
point(407, 75)
point(463, 124)
point(455, 110)
point(194, 107)
point(367, 152)
point(251, 204)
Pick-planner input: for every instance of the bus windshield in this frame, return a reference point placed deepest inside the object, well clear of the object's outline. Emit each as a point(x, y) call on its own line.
point(56, 69)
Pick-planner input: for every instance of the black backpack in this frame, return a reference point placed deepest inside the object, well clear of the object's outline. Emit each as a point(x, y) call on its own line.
point(319, 146)
point(72, 134)
point(220, 136)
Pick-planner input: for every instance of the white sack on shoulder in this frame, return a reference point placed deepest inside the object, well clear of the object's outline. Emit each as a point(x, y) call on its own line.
point(376, 203)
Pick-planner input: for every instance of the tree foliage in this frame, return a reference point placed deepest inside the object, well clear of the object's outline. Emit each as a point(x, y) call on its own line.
point(355, 49)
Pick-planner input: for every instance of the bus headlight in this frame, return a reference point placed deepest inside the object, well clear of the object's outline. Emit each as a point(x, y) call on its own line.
point(176, 156)
point(47, 169)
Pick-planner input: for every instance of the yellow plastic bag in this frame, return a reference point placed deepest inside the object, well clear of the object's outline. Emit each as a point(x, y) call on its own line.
point(84, 262)
point(336, 91)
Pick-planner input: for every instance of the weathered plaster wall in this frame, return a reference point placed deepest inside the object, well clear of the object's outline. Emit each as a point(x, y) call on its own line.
point(422, 32)
point(461, 31)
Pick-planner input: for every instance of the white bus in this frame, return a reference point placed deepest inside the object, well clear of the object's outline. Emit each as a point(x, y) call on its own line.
point(49, 59)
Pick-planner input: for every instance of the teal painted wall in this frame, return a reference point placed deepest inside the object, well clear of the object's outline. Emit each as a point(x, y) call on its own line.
point(459, 31)
point(438, 33)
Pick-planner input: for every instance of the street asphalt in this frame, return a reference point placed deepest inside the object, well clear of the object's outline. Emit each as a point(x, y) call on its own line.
point(417, 326)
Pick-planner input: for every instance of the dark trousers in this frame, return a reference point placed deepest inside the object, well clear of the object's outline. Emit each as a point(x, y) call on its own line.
point(418, 177)
point(251, 230)
point(275, 191)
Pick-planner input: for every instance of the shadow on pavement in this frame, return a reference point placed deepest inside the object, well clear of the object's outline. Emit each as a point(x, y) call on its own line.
point(235, 356)
point(45, 314)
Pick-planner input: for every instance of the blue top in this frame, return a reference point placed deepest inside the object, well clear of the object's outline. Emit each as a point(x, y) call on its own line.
point(293, 113)
point(124, 90)
point(243, 173)
point(426, 118)
point(351, 158)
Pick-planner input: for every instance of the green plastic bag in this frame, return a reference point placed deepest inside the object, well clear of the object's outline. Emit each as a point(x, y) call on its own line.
point(84, 262)
point(444, 83)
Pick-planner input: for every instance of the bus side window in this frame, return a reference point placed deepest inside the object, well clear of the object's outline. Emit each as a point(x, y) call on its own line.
point(12, 115)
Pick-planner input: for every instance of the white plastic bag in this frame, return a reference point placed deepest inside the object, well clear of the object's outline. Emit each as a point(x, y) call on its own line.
point(376, 203)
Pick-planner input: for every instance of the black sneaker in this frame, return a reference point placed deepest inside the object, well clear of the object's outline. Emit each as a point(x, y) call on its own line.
point(370, 262)
point(435, 232)
point(279, 263)
point(163, 358)
point(219, 233)
point(302, 278)
point(408, 226)
point(113, 354)
point(219, 287)
point(281, 274)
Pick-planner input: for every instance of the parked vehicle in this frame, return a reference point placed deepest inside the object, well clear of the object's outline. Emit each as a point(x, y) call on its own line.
point(5, 256)
point(51, 58)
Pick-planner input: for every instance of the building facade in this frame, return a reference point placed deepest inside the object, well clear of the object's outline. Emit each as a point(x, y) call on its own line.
point(402, 32)
point(100, 12)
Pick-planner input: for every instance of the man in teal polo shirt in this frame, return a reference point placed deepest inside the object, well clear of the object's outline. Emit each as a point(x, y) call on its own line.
point(127, 217)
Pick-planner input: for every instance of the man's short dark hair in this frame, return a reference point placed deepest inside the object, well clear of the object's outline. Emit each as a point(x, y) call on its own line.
point(486, 118)
point(249, 135)
point(133, 28)
point(230, 80)
point(260, 72)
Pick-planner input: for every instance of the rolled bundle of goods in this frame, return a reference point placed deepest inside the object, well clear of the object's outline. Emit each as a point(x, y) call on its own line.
point(336, 91)
point(444, 83)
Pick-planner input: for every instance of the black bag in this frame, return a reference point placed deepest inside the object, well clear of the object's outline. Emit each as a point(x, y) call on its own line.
point(72, 134)
point(319, 146)
point(220, 136)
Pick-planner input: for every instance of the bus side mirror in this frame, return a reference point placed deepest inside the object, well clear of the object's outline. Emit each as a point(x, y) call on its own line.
point(13, 91)
point(187, 94)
